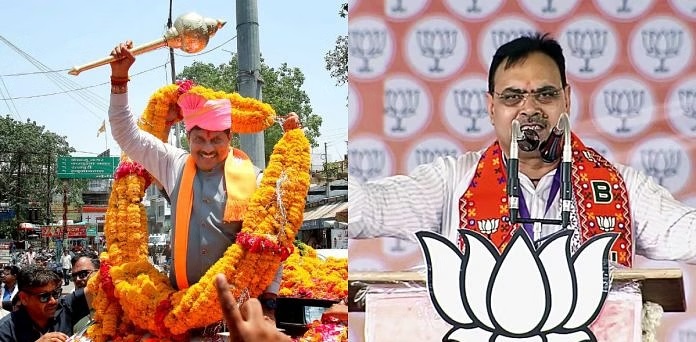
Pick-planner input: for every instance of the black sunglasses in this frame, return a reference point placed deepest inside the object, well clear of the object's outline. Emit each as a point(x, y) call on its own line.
point(46, 296)
point(81, 274)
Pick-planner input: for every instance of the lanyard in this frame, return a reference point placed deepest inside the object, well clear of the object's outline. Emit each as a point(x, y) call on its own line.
point(524, 211)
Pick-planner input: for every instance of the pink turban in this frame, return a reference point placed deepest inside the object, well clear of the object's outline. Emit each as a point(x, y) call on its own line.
point(212, 115)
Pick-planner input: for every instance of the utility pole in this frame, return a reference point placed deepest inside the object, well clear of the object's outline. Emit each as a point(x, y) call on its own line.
point(326, 168)
point(249, 73)
point(177, 133)
point(65, 217)
point(19, 187)
point(156, 193)
point(49, 159)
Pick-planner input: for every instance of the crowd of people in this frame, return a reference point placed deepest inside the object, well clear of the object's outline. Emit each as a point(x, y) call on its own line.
point(47, 256)
point(36, 308)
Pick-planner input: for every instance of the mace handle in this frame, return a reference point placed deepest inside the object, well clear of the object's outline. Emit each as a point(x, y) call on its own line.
point(153, 45)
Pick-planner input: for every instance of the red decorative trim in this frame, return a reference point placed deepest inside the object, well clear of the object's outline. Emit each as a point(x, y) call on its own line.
point(163, 308)
point(184, 86)
point(130, 167)
point(260, 244)
point(107, 283)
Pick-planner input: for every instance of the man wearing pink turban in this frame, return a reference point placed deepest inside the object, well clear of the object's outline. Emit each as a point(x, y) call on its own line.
point(207, 124)
point(208, 187)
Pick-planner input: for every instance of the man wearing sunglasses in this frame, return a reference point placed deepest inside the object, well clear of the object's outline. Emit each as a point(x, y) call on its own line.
point(84, 265)
point(44, 315)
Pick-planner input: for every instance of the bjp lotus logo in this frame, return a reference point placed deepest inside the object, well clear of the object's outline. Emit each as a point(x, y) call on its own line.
point(488, 226)
point(606, 223)
point(526, 294)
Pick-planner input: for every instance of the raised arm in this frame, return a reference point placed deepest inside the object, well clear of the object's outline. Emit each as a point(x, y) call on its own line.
point(399, 206)
point(665, 229)
point(162, 160)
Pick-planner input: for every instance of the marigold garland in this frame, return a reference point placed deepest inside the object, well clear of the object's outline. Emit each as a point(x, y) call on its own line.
point(131, 298)
point(307, 276)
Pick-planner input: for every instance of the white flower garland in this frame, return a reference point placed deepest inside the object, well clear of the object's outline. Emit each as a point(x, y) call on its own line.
point(652, 315)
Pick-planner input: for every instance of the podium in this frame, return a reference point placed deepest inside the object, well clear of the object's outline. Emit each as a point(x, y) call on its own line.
point(398, 304)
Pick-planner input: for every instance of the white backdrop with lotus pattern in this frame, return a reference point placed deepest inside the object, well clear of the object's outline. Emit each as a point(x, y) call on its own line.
point(417, 72)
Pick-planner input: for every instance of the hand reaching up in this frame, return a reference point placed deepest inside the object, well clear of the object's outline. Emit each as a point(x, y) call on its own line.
point(246, 322)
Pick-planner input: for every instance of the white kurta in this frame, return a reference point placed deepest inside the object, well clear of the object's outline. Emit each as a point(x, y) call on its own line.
point(428, 199)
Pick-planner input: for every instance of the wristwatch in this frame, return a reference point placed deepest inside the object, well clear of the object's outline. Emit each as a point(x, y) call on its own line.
point(269, 303)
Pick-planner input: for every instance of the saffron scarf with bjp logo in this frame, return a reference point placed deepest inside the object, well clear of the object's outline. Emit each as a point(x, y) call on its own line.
point(600, 195)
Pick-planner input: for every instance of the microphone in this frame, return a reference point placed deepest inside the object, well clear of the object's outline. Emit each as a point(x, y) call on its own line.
point(566, 185)
point(513, 182)
point(530, 140)
point(551, 149)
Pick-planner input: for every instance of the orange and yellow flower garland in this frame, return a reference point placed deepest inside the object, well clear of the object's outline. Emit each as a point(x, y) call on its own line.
point(132, 296)
point(307, 276)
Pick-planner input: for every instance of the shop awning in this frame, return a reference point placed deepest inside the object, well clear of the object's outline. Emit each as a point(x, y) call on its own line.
point(327, 211)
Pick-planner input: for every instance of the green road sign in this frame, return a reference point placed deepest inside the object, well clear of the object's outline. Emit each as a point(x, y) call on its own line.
point(87, 167)
point(91, 231)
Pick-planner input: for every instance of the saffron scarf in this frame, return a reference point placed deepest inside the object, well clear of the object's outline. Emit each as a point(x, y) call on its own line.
point(600, 195)
point(240, 183)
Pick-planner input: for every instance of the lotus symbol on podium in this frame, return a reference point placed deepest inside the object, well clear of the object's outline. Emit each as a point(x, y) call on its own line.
point(524, 294)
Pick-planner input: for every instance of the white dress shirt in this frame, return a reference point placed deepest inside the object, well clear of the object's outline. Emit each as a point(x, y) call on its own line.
point(428, 199)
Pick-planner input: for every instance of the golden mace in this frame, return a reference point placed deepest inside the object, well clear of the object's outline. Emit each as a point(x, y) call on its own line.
point(189, 33)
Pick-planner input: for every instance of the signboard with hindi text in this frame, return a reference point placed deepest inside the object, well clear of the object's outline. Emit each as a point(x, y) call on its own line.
point(87, 167)
point(73, 231)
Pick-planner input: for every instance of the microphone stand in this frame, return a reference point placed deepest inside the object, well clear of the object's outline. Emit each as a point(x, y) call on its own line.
point(513, 180)
point(513, 185)
point(566, 160)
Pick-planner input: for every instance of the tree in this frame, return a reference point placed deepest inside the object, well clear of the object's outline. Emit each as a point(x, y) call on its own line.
point(282, 89)
point(337, 59)
point(28, 155)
